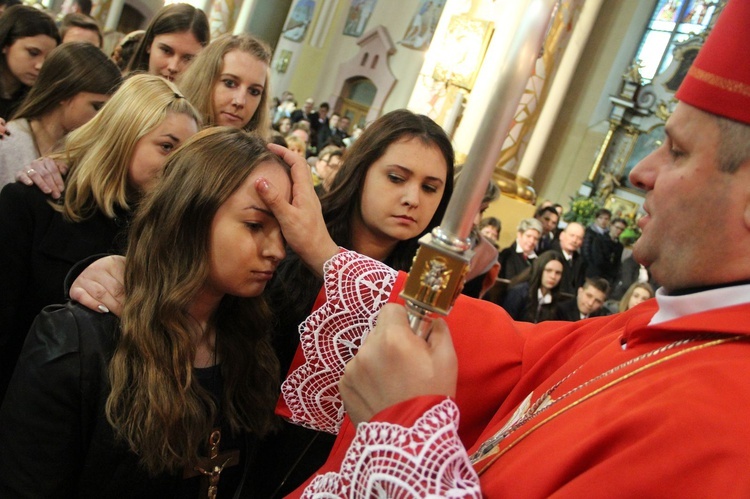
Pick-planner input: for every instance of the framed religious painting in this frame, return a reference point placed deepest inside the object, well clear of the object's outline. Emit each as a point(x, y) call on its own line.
point(359, 13)
point(422, 26)
point(299, 20)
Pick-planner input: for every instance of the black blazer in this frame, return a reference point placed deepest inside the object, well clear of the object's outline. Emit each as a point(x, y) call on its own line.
point(575, 273)
point(568, 310)
point(54, 435)
point(37, 249)
point(511, 262)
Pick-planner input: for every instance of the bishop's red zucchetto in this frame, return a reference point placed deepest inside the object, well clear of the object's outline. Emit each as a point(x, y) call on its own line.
point(719, 80)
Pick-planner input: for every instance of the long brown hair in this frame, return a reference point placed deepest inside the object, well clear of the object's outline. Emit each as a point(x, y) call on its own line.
point(298, 286)
point(156, 404)
point(68, 70)
point(173, 18)
point(20, 21)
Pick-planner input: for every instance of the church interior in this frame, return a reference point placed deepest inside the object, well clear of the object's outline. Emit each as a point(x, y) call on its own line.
point(596, 103)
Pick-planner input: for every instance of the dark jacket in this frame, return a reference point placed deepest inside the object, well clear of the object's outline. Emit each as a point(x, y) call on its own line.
point(512, 263)
point(605, 260)
point(55, 440)
point(568, 311)
point(575, 273)
point(37, 249)
point(518, 305)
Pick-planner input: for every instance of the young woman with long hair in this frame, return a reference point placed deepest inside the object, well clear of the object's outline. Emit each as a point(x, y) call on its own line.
point(76, 80)
point(228, 83)
point(173, 38)
point(637, 293)
point(112, 160)
point(27, 35)
point(393, 187)
point(536, 292)
point(136, 407)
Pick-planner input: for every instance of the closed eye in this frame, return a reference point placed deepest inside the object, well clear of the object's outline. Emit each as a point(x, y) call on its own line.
point(396, 179)
point(254, 226)
point(429, 188)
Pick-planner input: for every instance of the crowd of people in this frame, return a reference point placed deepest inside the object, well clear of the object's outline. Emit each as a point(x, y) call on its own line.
point(235, 327)
point(588, 275)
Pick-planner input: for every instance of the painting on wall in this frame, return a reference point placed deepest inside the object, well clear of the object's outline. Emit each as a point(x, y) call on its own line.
point(282, 62)
point(419, 33)
point(359, 14)
point(299, 20)
point(465, 46)
point(620, 207)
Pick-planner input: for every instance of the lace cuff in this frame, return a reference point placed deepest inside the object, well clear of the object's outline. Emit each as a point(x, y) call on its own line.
point(356, 288)
point(389, 460)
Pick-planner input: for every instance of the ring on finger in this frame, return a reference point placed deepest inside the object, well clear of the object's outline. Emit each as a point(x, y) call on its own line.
point(30, 171)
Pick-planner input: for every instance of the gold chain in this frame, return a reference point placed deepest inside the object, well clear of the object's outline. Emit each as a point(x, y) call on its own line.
point(490, 446)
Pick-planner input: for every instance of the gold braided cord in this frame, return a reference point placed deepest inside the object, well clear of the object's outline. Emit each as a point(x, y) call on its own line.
point(727, 84)
point(596, 392)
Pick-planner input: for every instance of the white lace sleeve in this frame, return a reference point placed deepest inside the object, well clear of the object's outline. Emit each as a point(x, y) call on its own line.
point(356, 288)
point(388, 460)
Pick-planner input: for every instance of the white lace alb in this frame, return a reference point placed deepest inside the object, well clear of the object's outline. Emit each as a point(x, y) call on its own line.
point(389, 460)
point(356, 288)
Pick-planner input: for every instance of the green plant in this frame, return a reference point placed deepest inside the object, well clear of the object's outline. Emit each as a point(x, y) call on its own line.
point(582, 210)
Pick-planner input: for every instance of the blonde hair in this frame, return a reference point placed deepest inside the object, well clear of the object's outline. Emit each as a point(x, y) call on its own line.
point(156, 405)
point(200, 77)
point(294, 140)
point(625, 300)
point(99, 152)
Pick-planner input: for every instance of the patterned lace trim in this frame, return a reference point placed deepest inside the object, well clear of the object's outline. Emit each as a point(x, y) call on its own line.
point(356, 288)
point(388, 460)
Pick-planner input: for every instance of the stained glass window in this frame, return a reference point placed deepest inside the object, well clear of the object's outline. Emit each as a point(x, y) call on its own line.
point(672, 22)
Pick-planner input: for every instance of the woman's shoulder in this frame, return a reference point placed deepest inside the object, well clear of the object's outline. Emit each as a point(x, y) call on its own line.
point(16, 151)
point(71, 327)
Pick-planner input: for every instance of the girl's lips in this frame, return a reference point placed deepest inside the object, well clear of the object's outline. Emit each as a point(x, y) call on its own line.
point(267, 275)
point(405, 218)
point(232, 117)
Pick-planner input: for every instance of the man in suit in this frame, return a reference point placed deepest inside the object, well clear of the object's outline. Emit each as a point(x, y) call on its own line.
point(569, 242)
point(606, 253)
point(588, 302)
point(308, 114)
point(549, 217)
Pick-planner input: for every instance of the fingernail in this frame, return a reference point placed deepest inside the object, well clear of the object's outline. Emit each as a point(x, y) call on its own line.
point(262, 184)
point(28, 182)
point(103, 309)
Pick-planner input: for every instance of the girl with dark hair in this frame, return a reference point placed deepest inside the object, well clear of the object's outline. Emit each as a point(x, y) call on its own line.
point(27, 35)
point(173, 38)
point(179, 389)
point(76, 80)
point(393, 187)
point(535, 295)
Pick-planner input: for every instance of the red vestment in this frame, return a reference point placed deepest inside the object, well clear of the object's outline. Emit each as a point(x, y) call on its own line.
point(628, 419)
